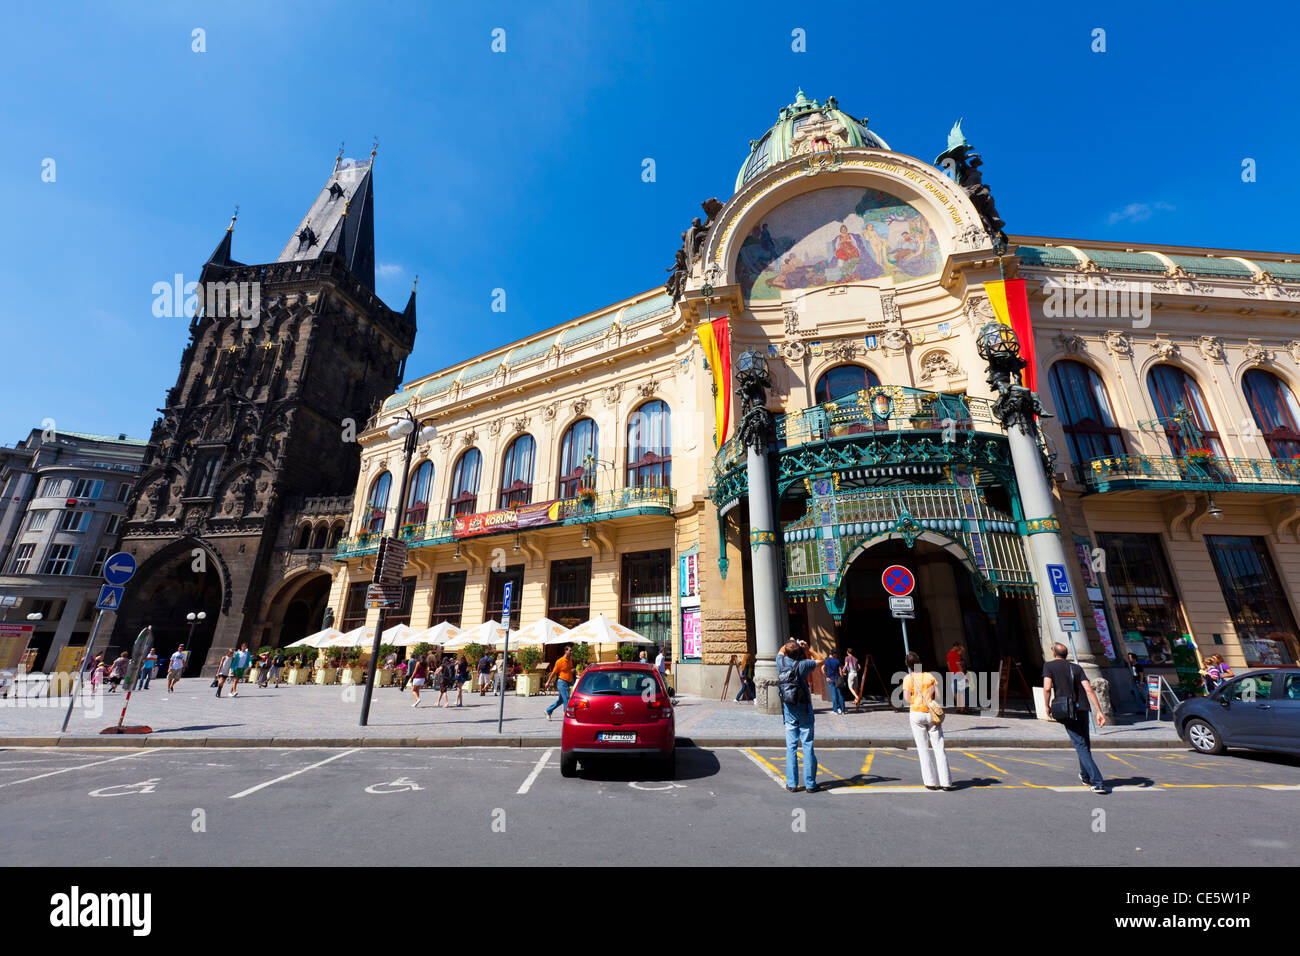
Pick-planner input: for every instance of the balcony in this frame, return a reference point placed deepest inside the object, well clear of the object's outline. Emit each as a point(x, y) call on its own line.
point(1189, 472)
point(603, 506)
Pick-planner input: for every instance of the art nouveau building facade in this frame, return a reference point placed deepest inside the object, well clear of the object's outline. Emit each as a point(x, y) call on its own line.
point(588, 463)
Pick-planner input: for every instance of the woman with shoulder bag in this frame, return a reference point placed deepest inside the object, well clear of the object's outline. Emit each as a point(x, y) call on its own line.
point(926, 717)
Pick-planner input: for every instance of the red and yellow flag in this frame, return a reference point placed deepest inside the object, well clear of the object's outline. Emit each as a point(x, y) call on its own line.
point(715, 336)
point(1011, 306)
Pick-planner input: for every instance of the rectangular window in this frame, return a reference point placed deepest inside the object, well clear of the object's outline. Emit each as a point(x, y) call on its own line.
point(402, 613)
point(1146, 602)
point(114, 522)
point(354, 611)
point(448, 598)
point(647, 604)
point(36, 520)
point(52, 488)
point(1255, 599)
point(74, 521)
point(497, 590)
point(60, 559)
point(98, 567)
point(23, 558)
point(203, 478)
point(124, 491)
point(87, 488)
point(569, 596)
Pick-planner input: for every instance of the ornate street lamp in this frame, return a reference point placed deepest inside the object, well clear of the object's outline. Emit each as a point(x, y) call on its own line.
point(1016, 406)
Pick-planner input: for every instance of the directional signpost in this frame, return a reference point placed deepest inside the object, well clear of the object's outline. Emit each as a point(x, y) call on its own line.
point(385, 591)
point(118, 569)
point(505, 651)
point(1066, 614)
point(899, 581)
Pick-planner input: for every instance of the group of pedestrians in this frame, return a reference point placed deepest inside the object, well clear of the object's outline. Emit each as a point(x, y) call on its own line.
point(1065, 687)
point(232, 668)
point(446, 674)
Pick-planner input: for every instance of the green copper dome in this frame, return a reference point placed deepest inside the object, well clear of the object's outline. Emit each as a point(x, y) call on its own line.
point(806, 127)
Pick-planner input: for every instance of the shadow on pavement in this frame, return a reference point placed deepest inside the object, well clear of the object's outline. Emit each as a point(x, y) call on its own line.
point(179, 730)
point(692, 764)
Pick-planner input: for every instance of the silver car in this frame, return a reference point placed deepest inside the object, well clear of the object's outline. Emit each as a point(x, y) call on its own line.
point(1260, 710)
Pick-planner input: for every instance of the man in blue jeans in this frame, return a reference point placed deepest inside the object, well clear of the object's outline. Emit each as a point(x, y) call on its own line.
point(562, 676)
point(793, 665)
point(1070, 683)
point(832, 665)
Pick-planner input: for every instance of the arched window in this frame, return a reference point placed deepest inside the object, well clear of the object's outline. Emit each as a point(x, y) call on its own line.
point(464, 484)
point(1176, 395)
point(377, 505)
point(1084, 410)
point(578, 450)
point(336, 535)
point(1275, 410)
point(650, 446)
point(321, 536)
point(843, 380)
point(304, 537)
point(417, 502)
point(517, 472)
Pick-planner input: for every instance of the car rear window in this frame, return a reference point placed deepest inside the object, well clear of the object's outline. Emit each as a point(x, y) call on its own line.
point(617, 683)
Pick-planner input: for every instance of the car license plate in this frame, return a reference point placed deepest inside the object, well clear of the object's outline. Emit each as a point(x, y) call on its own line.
point(611, 738)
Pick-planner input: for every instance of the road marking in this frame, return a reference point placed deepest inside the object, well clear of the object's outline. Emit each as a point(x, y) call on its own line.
point(880, 789)
point(400, 785)
point(967, 753)
point(1278, 786)
point(638, 785)
point(764, 765)
point(83, 766)
point(866, 764)
point(287, 776)
point(1135, 788)
point(1123, 761)
point(541, 762)
point(1036, 763)
point(144, 786)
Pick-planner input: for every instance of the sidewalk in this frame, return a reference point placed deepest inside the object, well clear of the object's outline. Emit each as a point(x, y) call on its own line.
point(313, 716)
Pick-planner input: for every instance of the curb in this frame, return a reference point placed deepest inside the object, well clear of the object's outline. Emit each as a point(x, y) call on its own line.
point(901, 743)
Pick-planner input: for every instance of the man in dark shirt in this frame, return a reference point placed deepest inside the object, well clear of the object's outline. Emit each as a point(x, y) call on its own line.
point(1068, 679)
point(832, 665)
point(796, 660)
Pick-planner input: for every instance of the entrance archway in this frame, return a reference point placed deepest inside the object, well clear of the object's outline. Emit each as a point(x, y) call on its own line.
point(166, 589)
point(296, 609)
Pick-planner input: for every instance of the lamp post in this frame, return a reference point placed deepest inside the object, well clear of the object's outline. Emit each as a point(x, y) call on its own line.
point(1018, 409)
point(756, 430)
point(194, 617)
point(413, 431)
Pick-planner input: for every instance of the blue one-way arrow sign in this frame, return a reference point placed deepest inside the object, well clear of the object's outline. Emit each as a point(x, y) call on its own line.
point(119, 568)
point(110, 597)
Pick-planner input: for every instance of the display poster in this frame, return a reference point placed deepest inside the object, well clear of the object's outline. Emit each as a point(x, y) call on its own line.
point(1103, 630)
point(692, 636)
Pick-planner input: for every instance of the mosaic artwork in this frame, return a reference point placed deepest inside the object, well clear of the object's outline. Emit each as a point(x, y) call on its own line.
point(836, 235)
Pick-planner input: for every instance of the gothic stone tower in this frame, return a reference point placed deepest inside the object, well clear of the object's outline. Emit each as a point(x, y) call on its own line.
point(263, 412)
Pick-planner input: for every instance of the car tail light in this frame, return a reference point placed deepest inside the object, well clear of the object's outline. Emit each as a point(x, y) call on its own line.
point(658, 709)
point(576, 704)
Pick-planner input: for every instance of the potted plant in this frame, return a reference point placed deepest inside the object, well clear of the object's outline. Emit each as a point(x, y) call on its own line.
point(528, 682)
point(302, 673)
point(581, 657)
point(384, 673)
point(626, 652)
point(327, 668)
point(587, 497)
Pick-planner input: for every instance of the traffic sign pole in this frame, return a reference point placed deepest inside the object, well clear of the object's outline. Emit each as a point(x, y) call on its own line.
point(85, 659)
point(903, 621)
point(505, 656)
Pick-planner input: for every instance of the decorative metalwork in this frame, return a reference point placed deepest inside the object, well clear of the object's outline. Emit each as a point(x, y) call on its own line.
point(1195, 472)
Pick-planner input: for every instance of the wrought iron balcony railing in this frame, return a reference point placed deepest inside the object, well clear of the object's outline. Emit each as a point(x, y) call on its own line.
point(601, 506)
point(1206, 473)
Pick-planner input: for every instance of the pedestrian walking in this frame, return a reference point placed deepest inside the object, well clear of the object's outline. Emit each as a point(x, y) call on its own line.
point(462, 678)
point(118, 671)
point(96, 674)
point(957, 676)
point(277, 667)
point(794, 664)
point(442, 682)
point(175, 667)
point(562, 677)
point(1069, 706)
point(223, 671)
point(1139, 683)
point(146, 670)
point(418, 670)
point(746, 678)
point(238, 668)
point(851, 670)
point(484, 673)
point(920, 691)
point(836, 681)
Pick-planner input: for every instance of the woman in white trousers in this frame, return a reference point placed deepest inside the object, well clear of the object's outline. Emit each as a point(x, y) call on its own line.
point(919, 689)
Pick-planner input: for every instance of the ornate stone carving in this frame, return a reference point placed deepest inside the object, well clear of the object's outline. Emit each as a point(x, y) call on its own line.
point(647, 388)
point(580, 406)
point(1072, 344)
point(896, 339)
point(1257, 354)
point(1294, 348)
point(468, 438)
point(794, 351)
point(889, 308)
point(939, 364)
point(613, 336)
point(819, 134)
point(519, 424)
point(612, 394)
point(1211, 347)
point(494, 427)
point(1119, 342)
point(1165, 348)
point(973, 237)
point(791, 321)
point(445, 440)
point(549, 412)
point(844, 350)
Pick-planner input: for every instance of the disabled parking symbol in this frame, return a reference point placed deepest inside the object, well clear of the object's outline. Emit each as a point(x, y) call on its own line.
point(123, 789)
point(400, 785)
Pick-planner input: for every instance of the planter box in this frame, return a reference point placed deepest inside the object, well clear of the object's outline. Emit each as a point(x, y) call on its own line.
point(325, 675)
point(253, 674)
point(526, 685)
point(383, 677)
point(298, 675)
point(352, 675)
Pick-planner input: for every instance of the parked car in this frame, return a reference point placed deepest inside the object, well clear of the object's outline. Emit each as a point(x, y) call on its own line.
point(618, 709)
point(1260, 710)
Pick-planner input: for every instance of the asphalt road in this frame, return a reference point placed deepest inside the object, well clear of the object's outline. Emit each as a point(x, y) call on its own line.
point(482, 806)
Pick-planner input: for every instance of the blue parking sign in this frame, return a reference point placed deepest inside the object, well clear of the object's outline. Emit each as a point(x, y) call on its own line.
point(1060, 580)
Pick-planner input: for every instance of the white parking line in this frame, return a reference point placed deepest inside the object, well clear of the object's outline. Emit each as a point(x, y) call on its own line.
point(138, 753)
point(758, 762)
point(536, 770)
point(287, 776)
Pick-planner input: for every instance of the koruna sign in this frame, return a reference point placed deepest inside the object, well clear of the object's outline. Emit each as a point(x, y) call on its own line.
point(511, 519)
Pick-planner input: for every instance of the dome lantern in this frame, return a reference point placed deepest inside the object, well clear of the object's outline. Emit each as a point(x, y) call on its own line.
point(806, 127)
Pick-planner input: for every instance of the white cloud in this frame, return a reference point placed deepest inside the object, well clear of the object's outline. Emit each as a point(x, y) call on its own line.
point(387, 269)
point(1138, 212)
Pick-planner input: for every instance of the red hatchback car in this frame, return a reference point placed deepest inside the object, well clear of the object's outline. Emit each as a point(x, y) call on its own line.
point(618, 710)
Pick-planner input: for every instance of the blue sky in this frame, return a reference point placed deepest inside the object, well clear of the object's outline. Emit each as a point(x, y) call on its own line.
point(522, 170)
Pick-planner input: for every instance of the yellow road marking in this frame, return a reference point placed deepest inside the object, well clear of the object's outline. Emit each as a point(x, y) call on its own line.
point(1122, 760)
point(984, 762)
point(1034, 762)
point(765, 765)
point(866, 764)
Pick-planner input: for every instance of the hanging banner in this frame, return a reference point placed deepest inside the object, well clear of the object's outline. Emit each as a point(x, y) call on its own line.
point(509, 519)
point(1011, 306)
point(715, 336)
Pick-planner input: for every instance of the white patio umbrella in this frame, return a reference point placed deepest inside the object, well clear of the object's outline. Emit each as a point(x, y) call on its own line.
point(319, 639)
point(353, 638)
point(544, 631)
point(439, 634)
point(399, 635)
point(488, 633)
point(601, 630)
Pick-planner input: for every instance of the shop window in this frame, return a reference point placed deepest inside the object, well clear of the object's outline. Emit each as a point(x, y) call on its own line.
point(497, 590)
point(569, 598)
point(1084, 410)
point(377, 505)
point(646, 605)
point(1146, 602)
point(1256, 600)
point(448, 598)
point(464, 484)
point(517, 472)
point(417, 502)
point(578, 451)
point(650, 447)
point(1276, 412)
point(1179, 402)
